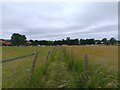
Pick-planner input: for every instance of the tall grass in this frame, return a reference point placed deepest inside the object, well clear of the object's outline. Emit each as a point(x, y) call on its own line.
point(22, 78)
point(71, 59)
point(40, 72)
point(98, 75)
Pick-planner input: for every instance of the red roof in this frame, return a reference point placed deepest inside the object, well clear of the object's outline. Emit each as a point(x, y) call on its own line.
point(7, 43)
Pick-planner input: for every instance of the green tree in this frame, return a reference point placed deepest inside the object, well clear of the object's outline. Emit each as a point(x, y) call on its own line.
point(104, 40)
point(113, 41)
point(18, 39)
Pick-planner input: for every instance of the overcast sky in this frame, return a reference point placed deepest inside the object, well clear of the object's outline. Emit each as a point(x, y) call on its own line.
point(55, 20)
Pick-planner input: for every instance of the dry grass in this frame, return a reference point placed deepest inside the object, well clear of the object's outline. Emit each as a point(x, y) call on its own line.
point(103, 55)
point(102, 63)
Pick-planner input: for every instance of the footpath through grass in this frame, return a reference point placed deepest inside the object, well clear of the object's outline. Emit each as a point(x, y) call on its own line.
point(64, 70)
point(58, 74)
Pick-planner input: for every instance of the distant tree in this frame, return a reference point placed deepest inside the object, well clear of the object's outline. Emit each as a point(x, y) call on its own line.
point(49, 43)
point(59, 42)
point(63, 41)
point(68, 40)
point(74, 42)
point(113, 41)
point(44, 42)
point(18, 39)
point(90, 41)
point(30, 40)
point(104, 40)
point(119, 42)
point(87, 41)
point(36, 42)
point(82, 42)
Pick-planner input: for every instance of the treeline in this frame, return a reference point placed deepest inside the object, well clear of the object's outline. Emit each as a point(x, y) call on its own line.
point(69, 41)
point(56, 42)
point(18, 40)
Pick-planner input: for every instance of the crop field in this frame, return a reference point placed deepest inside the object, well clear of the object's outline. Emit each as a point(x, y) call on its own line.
point(63, 69)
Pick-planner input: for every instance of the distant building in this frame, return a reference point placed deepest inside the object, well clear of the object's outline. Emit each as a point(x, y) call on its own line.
point(28, 43)
point(4, 42)
point(7, 43)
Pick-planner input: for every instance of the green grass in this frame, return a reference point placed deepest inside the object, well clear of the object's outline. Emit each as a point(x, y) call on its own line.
point(14, 66)
point(64, 68)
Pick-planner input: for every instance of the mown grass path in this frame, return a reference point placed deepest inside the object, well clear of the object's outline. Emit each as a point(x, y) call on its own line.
point(58, 75)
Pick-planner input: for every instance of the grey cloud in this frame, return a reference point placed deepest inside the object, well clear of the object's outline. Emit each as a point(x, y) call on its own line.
point(59, 20)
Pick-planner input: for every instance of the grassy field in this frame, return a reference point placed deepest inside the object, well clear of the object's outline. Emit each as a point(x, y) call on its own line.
point(64, 68)
point(106, 56)
point(22, 66)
